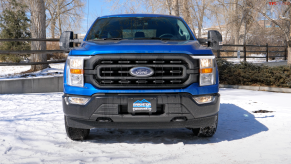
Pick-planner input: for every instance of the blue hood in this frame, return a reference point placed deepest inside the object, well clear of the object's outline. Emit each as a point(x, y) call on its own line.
point(140, 46)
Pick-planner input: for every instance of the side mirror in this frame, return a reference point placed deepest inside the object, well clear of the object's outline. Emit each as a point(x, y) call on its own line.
point(203, 41)
point(214, 39)
point(65, 41)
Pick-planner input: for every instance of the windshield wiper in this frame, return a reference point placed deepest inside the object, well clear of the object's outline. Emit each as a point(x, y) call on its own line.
point(152, 38)
point(113, 38)
point(105, 39)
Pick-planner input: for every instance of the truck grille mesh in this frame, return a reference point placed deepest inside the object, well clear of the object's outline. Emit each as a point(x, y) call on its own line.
point(115, 73)
point(166, 73)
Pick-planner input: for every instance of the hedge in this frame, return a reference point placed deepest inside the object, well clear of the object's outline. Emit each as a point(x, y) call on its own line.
point(255, 75)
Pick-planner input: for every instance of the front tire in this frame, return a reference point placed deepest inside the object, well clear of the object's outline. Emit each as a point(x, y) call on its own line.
point(76, 133)
point(208, 131)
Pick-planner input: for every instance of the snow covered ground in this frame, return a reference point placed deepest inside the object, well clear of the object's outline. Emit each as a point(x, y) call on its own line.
point(8, 72)
point(255, 60)
point(32, 131)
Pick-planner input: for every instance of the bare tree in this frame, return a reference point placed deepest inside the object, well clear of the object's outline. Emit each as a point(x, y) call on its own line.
point(286, 16)
point(154, 6)
point(51, 8)
point(236, 21)
point(169, 6)
point(38, 30)
point(3, 4)
point(186, 11)
point(64, 14)
point(176, 7)
point(127, 6)
point(198, 11)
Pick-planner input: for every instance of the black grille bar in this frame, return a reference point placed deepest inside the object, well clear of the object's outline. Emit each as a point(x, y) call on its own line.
point(141, 62)
point(160, 71)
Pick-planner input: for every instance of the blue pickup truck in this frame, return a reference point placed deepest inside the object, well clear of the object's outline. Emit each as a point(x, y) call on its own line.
point(140, 71)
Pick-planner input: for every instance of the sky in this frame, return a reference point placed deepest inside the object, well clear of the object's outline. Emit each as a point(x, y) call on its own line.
point(100, 8)
point(96, 8)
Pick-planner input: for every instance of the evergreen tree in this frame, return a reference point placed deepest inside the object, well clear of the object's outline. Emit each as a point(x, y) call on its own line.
point(14, 24)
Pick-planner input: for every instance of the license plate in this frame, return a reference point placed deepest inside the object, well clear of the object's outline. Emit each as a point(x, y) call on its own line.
point(136, 105)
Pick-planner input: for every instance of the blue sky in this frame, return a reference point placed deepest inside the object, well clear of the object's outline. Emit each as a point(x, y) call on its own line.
point(100, 8)
point(96, 8)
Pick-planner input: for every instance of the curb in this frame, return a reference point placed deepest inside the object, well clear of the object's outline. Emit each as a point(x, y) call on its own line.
point(55, 84)
point(32, 85)
point(257, 88)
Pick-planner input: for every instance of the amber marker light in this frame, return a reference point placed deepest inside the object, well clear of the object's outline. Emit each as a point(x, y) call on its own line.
point(206, 70)
point(76, 71)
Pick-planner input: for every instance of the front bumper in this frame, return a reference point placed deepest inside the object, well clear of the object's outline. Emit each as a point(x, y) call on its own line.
point(174, 110)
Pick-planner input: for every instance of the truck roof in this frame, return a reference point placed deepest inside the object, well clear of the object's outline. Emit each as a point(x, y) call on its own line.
point(140, 15)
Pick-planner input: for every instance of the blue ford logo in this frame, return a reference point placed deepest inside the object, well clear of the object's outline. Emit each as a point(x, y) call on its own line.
point(141, 71)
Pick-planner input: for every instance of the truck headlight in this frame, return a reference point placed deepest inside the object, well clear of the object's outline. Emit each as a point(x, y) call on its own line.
point(207, 70)
point(75, 70)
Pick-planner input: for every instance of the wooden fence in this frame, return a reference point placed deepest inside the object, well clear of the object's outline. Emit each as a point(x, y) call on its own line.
point(31, 51)
point(267, 51)
point(218, 52)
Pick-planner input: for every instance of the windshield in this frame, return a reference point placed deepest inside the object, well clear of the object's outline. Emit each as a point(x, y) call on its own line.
point(164, 28)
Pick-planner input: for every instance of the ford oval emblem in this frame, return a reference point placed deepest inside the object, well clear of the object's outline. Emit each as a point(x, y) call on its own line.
point(141, 71)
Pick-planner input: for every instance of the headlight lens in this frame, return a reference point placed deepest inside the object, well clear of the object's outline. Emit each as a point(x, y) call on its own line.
point(204, 99)
point(75, 72)
point(206, 63)
point(76, 62)
point(78, 100)
point(206, 79)
point(207, 70)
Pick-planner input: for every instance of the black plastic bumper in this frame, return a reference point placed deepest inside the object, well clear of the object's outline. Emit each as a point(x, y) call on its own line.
point(173, 111)
point(193, 123)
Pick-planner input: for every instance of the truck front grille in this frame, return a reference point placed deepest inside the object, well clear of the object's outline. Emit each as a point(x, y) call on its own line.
point(112, 71)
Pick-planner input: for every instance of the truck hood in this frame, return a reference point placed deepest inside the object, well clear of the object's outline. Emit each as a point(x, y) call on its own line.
point(140, 46)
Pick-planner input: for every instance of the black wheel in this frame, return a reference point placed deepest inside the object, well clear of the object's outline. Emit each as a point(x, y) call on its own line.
point(76, 133)
point(208, 131)
point(196, 131)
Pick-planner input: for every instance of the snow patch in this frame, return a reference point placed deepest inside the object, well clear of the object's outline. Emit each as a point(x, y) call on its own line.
point(13, 72)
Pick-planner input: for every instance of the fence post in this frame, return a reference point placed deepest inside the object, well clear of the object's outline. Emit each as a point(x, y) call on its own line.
point(75, 37)
point(245, 52)
point(218, 53)
point(286, 52)
point(267, 56)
